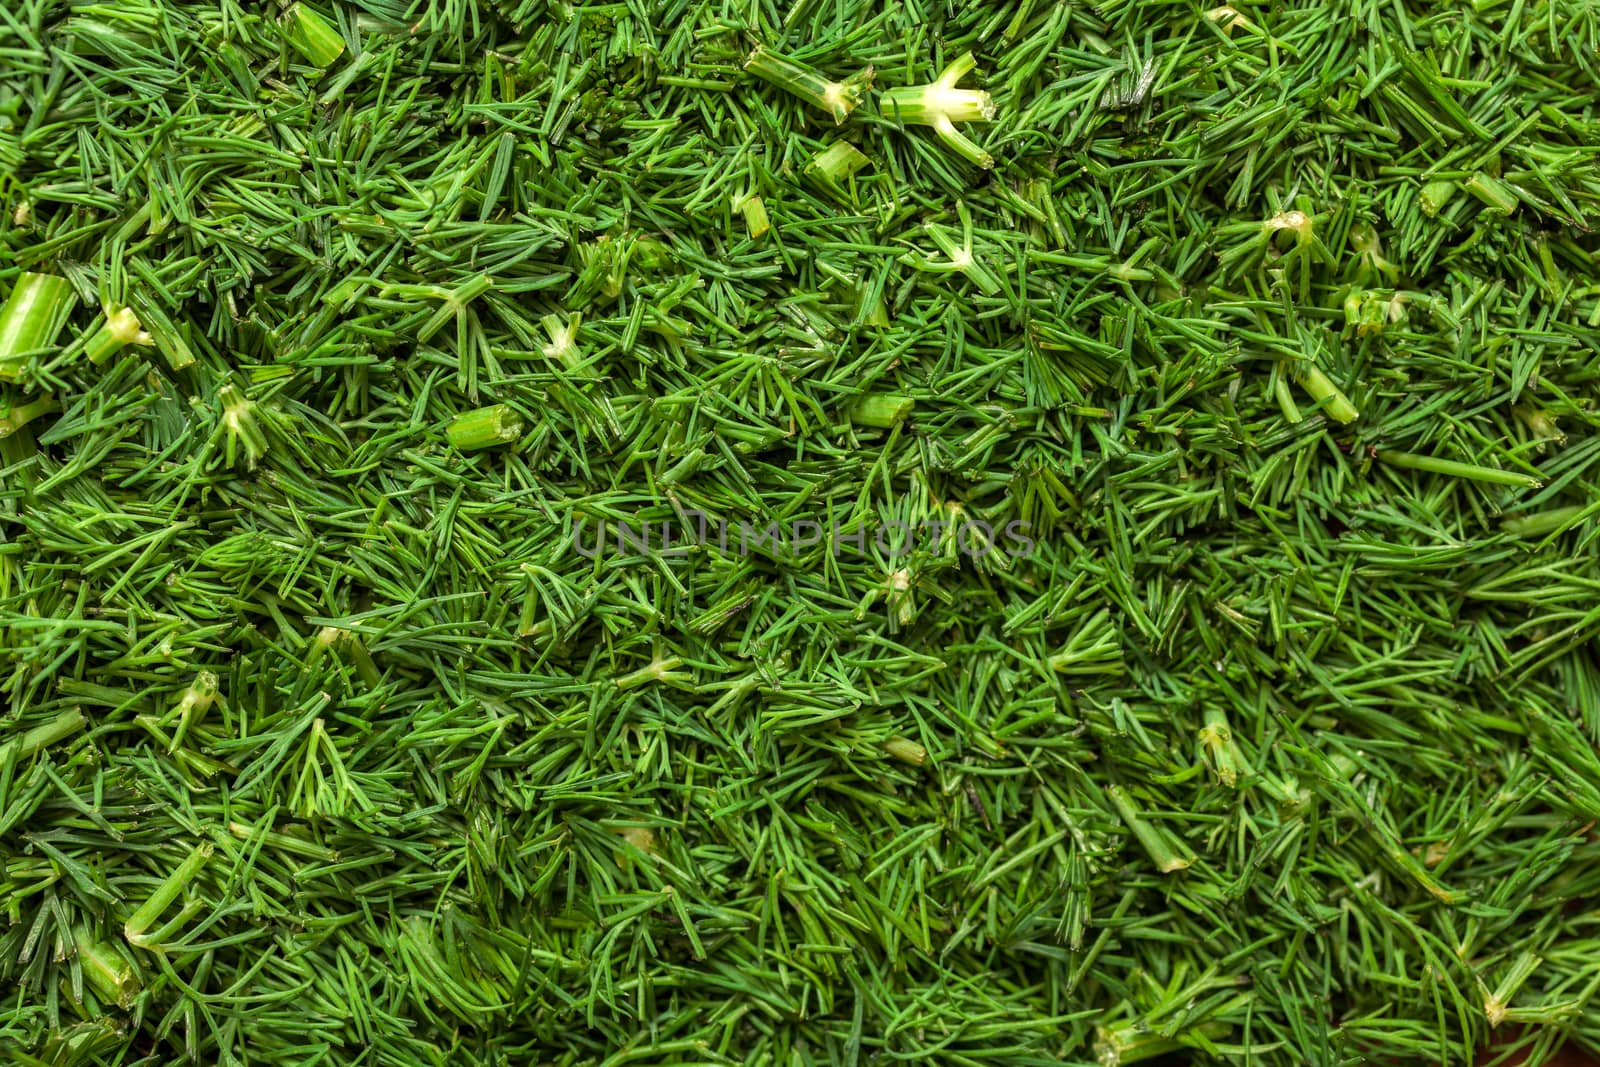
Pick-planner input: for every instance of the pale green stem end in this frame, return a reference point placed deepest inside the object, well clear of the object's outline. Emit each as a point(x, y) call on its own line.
point(484, 428)
point(1334, 404)
point(1495, 194)
point(836, 164)
point(17, 416)
point(1166, 851)
point(906, 751)
point(312, 35)
point(1542, 523)
point(35, 740)
point(120, 329)
point(111, 976)
point(176, 882)
point(754, 211)
point(32, 318)
point(838, 99)
point(1435, 195)
point(882, 412)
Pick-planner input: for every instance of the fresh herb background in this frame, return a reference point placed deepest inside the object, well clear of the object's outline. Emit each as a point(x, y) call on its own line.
point(1277, 324)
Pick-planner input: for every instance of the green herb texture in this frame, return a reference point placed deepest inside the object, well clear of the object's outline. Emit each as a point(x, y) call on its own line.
point(1145, 602)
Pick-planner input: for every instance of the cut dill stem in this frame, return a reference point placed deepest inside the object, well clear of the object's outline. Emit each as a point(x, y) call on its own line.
point(960, 256)
point(1435, 195)
point(661, 669)
point(1221, 750)
point(31, 742)
point(245, 438)
point(1543, 523)
point(1540, 423)
point(1133, 1043)
point(487, 427)
point(754, 210)
point(1328, 396)
point(1497, 1004)
point(835, 166)
point(283, 842)
point(192, 706)
point(882, 412)
point(120, 328)
point(1166, 850)
point(1368, 245)
point(109, 973)
point(312, 35)
point(1456, 469)
point(906, 751)
point(453, 306)
point(941, 104)
point(349, 647)
point(32, 318)
point(563, 337)
point(14, 416)
point(837, 98)
point(1493, 192)
point(154, 906)
point(1094, 647)
point(1228, 18)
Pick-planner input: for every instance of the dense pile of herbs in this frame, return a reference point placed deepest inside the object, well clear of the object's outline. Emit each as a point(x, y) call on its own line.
point(341, 726)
